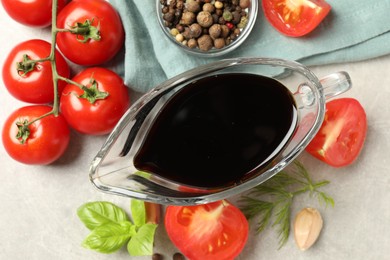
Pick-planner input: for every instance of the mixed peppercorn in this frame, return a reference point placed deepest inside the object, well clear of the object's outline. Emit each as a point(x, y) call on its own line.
point(205, 24)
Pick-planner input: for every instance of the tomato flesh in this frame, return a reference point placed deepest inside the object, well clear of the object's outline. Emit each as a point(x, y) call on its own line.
point(342, 134)
point(295, 18)
point(216, 230)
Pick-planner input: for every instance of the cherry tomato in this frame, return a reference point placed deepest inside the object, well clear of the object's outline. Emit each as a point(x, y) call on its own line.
point(47, 140)
point(342, 134)
point(35, 86)
point(216, 230)
point(102, 45)
point(34, 13)
point(100, 116)
point(295, 17)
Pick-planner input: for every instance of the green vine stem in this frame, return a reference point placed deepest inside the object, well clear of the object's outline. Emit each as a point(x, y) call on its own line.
point(55, 110)
point(54, 33)
point(86, 31)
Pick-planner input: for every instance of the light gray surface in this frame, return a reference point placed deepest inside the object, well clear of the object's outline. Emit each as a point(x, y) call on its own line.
point(38, 203)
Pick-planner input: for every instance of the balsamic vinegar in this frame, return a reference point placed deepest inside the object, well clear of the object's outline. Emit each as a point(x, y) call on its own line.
point(218, 130)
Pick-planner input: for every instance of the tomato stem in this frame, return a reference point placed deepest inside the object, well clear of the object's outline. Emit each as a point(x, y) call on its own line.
point(54, 32)
point(26, 65)
point(69, 81)
point(85, 30)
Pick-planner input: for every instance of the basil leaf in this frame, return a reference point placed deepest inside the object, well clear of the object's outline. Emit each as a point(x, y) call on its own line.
point(109, 237)
point(142, 243)
point(95, 214)
point(138, 212)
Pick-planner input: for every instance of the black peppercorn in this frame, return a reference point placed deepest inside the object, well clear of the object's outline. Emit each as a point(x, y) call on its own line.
point(204, 19)
point(168, 17)
point(193, 6)
point(178, 256)
point(215, 31)
point(205, 42)
point(219, 43)
point(187, 18)
point(196, 30)
point(205, 24)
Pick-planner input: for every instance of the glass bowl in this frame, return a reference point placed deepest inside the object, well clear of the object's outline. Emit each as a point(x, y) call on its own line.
point(252, 11)
point(113, 170)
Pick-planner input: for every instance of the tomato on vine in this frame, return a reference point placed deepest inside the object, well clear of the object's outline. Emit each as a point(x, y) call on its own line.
point(96, 103)
point(34, 13)
point(91, 32)
point(30, 140)
point(28, 76)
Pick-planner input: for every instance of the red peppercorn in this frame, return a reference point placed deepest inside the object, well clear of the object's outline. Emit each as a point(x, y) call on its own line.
point(229, 25)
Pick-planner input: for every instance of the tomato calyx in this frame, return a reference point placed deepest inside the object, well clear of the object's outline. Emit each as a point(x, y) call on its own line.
point(23, 127)
point(92, 93)
point(27, 65)
point(86, 31)
point(23, 131)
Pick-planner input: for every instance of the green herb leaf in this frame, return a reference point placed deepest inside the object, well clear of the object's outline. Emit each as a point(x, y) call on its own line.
point(274, 198)
point(96, 214)
point(109, 237)
point(142, 243)
point(138, 212)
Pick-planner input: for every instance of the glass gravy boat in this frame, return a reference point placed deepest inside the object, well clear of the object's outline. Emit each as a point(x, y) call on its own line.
point(113, 171)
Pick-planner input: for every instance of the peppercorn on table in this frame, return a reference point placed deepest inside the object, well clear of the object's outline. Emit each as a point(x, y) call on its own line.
point(38, 203)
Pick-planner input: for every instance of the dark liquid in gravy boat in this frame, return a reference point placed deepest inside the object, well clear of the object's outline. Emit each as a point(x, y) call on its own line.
point(216, 131)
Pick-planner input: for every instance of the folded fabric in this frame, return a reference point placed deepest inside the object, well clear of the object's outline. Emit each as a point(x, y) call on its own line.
point(354, 30)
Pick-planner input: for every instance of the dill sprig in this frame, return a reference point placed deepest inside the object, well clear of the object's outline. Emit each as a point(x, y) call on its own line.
point(271, 201)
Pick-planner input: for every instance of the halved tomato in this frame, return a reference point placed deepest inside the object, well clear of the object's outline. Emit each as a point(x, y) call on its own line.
point(342, 134)
point(216, 230)
point(295, 17)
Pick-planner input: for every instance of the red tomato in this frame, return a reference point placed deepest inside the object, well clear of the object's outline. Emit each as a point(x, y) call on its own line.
point(35, 86)
point(295, 17)
point(48, 138)
point(103, 17)
point(35, 13)
point(216, 230)
point(101, 116)
point(342, 134)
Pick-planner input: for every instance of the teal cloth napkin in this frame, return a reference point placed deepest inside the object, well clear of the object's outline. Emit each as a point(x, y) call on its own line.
point(354, 30)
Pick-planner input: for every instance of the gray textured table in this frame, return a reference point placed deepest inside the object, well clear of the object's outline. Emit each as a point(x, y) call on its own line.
point(38, 203)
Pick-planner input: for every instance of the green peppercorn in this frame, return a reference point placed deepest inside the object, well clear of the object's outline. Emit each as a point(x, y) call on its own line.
point(174, 31)
point(227, 16)
point(243, 22)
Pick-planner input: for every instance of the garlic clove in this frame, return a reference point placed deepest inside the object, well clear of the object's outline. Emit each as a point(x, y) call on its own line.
point(307, 227)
